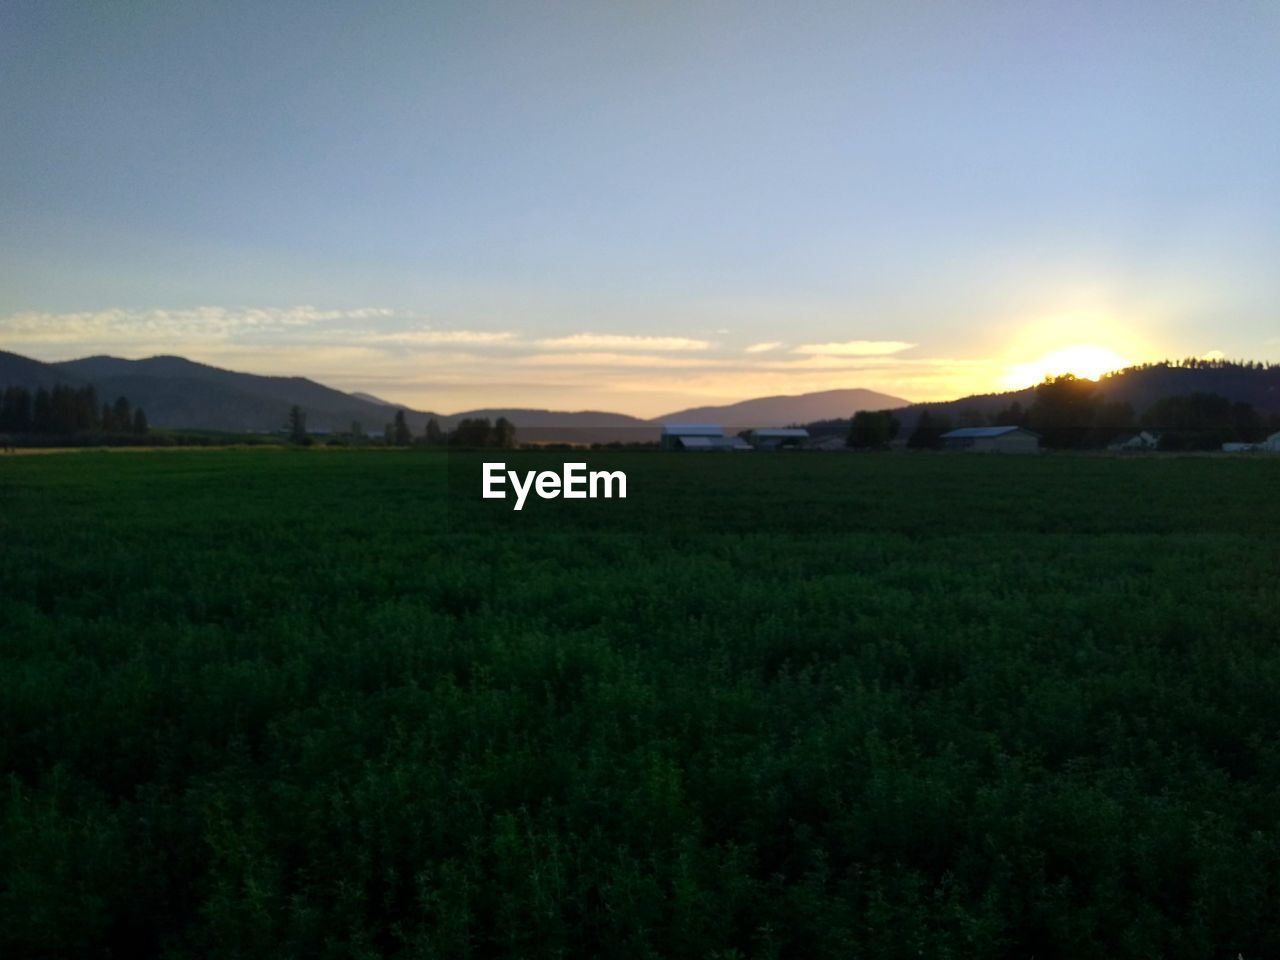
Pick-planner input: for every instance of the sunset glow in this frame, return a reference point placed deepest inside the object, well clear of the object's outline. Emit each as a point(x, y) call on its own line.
point(1084, 360)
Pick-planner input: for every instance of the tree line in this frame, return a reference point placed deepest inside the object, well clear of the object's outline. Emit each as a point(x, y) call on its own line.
point(67, 411)
point(1069, 413)
point(469, 432)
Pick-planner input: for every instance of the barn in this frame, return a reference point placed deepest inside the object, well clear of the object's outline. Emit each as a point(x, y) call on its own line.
point(699, 436)
point(1271, 444)
point(1146, 440)
point(992, 440)
point(770, 438)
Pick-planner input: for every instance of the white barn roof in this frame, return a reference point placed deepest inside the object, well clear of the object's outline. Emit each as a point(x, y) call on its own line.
point(692, 430)
point(977, 433)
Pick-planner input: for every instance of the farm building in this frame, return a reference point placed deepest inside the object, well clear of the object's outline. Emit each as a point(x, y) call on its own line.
point(992, 440)
point(1146, 440)
point(699, 436)
point(768, 438)
point(1269, 445)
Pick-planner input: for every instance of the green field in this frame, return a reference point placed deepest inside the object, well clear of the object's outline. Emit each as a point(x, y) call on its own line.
point(316, 704)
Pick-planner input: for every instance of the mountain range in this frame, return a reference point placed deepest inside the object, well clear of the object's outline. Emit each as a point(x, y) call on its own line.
point(180, 393)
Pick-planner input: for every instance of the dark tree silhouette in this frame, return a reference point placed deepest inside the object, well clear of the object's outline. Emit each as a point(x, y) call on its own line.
point(401, 436)
point(297, 424)
point(872, 430)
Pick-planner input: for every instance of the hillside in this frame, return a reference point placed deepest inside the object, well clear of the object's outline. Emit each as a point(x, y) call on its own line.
point(180, 393)
point(22, 371)
point(780, 411)
point(1255, 384)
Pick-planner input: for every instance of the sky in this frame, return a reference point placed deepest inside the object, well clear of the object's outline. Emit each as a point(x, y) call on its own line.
point(641, 206)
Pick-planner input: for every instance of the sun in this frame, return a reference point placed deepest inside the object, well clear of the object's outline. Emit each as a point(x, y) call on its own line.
point(1082, 359)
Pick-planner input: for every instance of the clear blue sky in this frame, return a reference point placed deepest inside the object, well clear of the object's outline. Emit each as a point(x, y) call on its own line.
point(630, 206)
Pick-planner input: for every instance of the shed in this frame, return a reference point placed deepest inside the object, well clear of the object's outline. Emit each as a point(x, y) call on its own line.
point(699, 436)
point(992, 440)
point(771, 438)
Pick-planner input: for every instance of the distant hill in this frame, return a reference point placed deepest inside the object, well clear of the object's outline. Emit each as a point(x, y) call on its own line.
point(32, 374)
point(1141, 386)
point(360, 395)
point(781, 411)
point(176, 392)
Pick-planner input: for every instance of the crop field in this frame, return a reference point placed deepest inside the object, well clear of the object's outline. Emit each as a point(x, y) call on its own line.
point(315, 703)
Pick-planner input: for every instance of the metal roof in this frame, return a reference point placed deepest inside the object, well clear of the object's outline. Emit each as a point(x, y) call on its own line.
point(975, 433)
point(692, 430)
point(714, 443)
point(781, 432)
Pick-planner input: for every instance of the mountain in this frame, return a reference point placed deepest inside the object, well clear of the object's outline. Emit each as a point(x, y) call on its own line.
point(32, 374)
point(176, 392)
point(360, 395)
point(782, 411)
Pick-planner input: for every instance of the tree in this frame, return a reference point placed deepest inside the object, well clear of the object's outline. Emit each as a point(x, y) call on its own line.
point(107, 419)
point(1014, 415)
point(401, 435)
point(928, 432)
point(15, 410)
point(123, 416)
point(872, 430)
point(472, 432)
point(1199, 421)
point(297, 425)
point(140, 425)
point(1064, 411)
point(504, 434)
point(434, 436)
point(42, 416)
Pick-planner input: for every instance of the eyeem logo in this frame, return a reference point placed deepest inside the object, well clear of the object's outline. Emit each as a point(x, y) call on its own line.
point(572, 483)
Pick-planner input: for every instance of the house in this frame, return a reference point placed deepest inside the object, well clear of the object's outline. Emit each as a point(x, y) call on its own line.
point(1146, 440)
point(992, 440)
point(1271, 444)
point(769, 438)
point(699, 436)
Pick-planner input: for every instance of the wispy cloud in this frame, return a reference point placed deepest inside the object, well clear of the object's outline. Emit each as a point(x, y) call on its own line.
point(126, 326)
point(430, 338)
point(614, 341)
point(763, 347)
point(855, 348)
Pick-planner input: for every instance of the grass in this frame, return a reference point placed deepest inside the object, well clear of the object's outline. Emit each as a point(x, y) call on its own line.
point(327, 703)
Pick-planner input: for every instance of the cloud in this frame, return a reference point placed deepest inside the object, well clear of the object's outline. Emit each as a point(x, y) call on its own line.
point(616, 360)
point(855, 348)
point(118, 326)
point(426, 338)
point(1213, 355)
point(763, 347)
point(613, 341)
